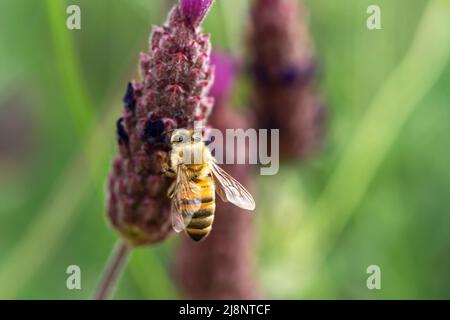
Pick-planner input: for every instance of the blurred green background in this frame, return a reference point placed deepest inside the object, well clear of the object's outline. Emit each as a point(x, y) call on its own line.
point(378, 193)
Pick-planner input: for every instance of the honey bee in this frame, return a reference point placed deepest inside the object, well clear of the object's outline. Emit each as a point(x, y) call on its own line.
point(197, 179)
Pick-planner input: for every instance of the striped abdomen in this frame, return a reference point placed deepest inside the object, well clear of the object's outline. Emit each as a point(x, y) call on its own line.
point(201, 223)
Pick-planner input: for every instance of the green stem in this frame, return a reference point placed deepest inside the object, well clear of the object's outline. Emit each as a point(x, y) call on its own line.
point(69, 68)
point(113, 271)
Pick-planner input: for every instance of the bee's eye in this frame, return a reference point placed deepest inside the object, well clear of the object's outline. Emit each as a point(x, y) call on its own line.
point(179, 138)
point(196, 138)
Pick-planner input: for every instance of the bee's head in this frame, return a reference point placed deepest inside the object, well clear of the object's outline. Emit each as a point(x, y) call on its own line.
point(187, 147)
point(184, 136)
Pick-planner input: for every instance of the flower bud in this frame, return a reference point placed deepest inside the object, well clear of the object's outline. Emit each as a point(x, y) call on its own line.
point(195, 10)
point(283, 69)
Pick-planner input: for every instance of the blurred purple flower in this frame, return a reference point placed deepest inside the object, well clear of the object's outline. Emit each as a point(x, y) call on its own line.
point(283, 68)
point(225, 75)
point(195, 10)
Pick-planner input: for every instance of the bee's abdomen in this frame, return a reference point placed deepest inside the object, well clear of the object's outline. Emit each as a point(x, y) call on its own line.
point(201, 223)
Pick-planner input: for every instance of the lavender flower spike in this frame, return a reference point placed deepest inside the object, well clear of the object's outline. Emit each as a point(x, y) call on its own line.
point(195, 10)
point(282, 62)
point(172, 93)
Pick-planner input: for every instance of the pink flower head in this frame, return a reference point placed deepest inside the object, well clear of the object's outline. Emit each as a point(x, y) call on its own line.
point(172, 93)
point(225, 75)
point(195, 10)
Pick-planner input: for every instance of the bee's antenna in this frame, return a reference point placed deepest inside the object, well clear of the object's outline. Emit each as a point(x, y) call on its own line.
point(168, 131)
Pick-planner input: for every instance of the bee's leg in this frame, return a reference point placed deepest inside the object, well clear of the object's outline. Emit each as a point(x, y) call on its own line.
point(167, 170)
point(164, 167)
point(203, 173)
point(171, 190)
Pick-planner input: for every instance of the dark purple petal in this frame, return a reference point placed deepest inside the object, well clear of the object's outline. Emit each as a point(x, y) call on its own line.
point(195, 10)
point(290, 75)
point(298, 75)
point(128, 99)
point(122, 135)
point(153, 131)
point(261, 75)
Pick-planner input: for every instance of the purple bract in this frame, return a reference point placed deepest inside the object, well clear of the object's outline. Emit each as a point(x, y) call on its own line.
point(225, 75)
point(195, 10)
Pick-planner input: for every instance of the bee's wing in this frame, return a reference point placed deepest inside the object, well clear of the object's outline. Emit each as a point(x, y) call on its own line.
point(231, 190)
point(184, 190)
